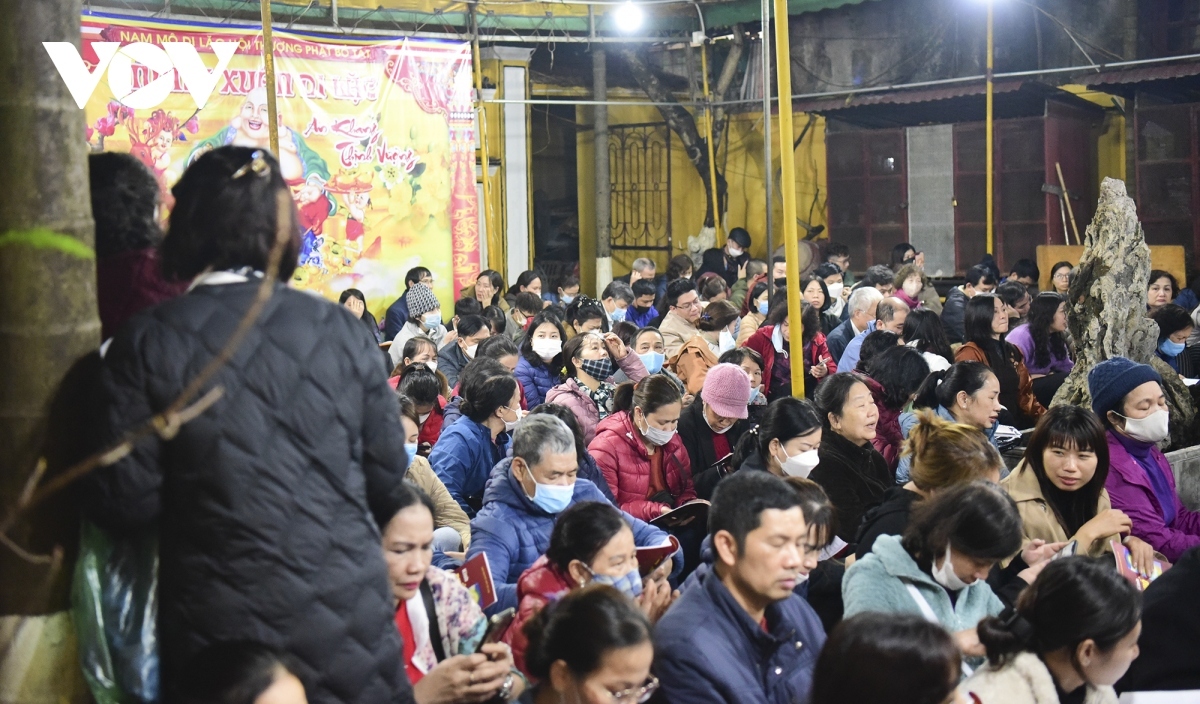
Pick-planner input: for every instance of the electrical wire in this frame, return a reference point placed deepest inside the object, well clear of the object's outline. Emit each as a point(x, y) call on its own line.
point(921, 53)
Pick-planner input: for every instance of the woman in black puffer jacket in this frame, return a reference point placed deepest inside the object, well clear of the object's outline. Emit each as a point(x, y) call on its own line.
point(269, 504)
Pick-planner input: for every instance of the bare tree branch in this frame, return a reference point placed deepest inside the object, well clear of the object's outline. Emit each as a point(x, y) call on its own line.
point(679, 120)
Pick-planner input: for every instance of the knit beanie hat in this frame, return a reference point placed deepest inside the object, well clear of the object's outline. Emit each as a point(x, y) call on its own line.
point(420, 300)
point(1110, 380)
point(727, 390)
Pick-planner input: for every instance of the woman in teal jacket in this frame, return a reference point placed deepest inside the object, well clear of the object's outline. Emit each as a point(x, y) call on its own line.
point(939, 568)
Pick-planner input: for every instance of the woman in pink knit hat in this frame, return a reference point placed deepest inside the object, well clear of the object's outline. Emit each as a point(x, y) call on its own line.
point(710, 427)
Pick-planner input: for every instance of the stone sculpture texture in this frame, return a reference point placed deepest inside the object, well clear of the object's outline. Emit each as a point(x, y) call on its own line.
point(1107, 307)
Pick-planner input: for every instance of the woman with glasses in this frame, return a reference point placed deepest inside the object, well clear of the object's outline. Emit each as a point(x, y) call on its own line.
point(1060, 277)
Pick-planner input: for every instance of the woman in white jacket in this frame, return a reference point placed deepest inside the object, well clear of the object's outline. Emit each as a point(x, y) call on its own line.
point(1072, 635)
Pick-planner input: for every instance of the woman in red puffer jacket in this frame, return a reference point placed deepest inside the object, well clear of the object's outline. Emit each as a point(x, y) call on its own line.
point(639, 451)
point(591, 542)
point(895, 375)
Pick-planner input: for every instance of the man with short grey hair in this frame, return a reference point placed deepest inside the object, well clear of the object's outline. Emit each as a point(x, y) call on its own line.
point(617, 296)
point(860, 309)
point(524, 496)
point(890, 314)
point(642, 268)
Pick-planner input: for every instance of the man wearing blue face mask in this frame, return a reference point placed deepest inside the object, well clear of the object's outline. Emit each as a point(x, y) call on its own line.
point(524, 496)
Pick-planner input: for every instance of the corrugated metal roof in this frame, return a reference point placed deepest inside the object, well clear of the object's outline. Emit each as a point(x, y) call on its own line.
point(1162, 72)
point(720, 13)
point(906, 96)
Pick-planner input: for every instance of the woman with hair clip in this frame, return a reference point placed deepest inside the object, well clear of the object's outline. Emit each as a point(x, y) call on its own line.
point(939, 568)
point(612, 664)
point(943, 454)
point(1072, 635)
point(540, 367)
point(585, 315)
point(923, 332)
point(591, 361)
point(1044, 346)
point(785, 442)
point(1059, 487)
point(966, 393)
point(754, 311)
point(985, 322)
point(895, 375)
point(718, 327)
point(640, 453)
point(306, 412)
point(591, 544)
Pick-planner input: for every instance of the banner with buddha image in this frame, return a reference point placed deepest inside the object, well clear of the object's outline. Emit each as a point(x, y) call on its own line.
point(376, 140)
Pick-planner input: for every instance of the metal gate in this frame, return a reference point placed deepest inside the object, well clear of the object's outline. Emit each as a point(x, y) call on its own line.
point(639, 163)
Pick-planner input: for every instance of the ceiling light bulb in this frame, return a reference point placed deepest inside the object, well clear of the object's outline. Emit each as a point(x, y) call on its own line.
point(628, 17)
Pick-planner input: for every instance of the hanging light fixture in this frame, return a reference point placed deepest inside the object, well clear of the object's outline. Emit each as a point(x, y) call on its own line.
point(628, 17)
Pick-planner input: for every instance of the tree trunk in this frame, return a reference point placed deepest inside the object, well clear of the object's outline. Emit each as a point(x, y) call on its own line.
point(48, 321)
point(681, 121)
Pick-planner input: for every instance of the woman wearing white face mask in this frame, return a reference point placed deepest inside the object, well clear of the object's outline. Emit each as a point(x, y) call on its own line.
point(540, 367)
point(1129, 399)
point(785, 442)
point(939, 569)
point(639, 451)
point(711, 427)
point(699, 354)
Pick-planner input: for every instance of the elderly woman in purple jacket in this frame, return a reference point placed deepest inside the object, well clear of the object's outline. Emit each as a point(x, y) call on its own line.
point(1129, 399)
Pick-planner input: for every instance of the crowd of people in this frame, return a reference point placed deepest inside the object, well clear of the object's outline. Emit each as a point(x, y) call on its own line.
point(865, 543)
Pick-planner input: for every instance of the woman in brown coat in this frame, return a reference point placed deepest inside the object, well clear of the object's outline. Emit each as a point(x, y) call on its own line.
point(985, 323)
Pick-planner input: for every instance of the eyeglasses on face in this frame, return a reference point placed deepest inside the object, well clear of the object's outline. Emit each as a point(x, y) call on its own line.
point(637, 694)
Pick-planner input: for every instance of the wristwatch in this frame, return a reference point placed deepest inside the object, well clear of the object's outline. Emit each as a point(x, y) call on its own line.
point(506, 688)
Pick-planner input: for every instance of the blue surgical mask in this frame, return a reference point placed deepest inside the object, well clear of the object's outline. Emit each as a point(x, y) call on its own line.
point(432, 319)
point(762, 307)
point(1171, 349)
point(652, 360)
point(754, 394)
point(630, 584)
point(566, 300)
point(617, 316)
point(552, 498)
point(411, 449)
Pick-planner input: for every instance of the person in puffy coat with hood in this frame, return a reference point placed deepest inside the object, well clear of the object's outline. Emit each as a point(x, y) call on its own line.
point(269, 504)
point(525, 495)
point(591, 361)
point(468, 450)
point(639, 451)
point(540, 367)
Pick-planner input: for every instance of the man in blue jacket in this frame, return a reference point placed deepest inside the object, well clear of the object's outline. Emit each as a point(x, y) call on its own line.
point(524, 496)
point(741, 636)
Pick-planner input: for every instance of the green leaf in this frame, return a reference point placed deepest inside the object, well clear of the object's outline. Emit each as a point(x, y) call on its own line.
point(44, 238)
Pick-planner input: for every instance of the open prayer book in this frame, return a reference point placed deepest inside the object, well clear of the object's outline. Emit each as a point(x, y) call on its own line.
point(649, 559)
point(1125, 567)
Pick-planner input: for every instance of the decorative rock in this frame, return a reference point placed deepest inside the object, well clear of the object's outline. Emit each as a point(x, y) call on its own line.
point(1107, 307)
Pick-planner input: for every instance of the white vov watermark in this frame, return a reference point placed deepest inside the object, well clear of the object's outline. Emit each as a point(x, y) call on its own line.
point(118, 60)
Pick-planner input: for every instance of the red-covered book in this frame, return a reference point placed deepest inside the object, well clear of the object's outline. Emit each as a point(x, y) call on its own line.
point(649, 559)
point(476, 576)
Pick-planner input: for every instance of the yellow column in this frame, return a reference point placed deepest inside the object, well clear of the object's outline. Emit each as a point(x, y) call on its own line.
point(268, 52)
point(787, 163)
point(989, 128)
point(483, 146)
point(708, 132)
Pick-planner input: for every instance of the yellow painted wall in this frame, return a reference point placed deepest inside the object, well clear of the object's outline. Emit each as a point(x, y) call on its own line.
point(1110, 144)
point(742, 157)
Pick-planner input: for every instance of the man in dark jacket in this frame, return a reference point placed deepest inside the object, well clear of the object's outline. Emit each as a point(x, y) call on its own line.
point(711, 426)
point(860, 311)
point(979, 279)
point(269, 504)
point(741, 636)
point(1170, 640)
point(523, 498)
point(397, 313)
